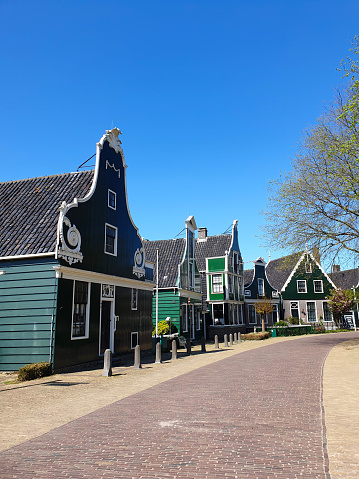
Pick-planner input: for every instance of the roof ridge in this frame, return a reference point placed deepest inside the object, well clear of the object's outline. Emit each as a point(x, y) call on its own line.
point(48, 176)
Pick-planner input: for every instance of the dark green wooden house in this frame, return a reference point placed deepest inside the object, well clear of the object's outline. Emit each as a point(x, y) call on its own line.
point(179, 288)
point(304, 288)
point(74, 279)
point(256, 288)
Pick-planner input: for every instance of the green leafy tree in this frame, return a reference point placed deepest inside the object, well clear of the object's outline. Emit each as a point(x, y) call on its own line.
point(317, 202)
point(263, 307)
point(340, 302)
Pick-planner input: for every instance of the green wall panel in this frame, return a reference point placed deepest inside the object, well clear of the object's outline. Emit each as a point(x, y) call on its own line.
point(216, 264)
point(28, 293)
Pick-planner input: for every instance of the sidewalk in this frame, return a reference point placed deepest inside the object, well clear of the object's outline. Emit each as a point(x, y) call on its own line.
point(33, 408)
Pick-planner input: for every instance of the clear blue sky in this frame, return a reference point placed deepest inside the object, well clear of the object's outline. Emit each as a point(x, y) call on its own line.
point(211, 97)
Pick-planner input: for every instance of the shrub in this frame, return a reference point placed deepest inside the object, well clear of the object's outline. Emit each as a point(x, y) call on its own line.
point(34, 371)
point(256, 336)
point(164, 328)
point(280, 323)
point(294, 321)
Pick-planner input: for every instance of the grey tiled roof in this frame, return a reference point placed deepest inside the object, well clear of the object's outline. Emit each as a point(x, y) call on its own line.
point(278, 270)
point(30, 209)
point(170, 254)
point(248, 276)
point(345, 279)
point(211, 247)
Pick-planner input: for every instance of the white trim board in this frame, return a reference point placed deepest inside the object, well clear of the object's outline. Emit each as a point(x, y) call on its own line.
point(66, 272)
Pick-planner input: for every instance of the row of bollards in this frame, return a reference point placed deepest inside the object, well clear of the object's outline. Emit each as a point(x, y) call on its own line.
point(107, 368)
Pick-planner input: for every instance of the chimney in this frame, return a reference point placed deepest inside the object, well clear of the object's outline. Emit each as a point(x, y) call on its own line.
point(202, 233)
point(335, 268)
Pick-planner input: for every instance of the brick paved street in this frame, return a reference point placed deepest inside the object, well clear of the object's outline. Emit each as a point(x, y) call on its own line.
point(253, 415)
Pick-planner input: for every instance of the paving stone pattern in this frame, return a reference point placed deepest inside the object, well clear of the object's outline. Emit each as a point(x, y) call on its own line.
point(254, 415)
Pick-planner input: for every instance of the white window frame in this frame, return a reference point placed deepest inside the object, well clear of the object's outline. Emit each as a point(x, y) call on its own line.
point(198, 314)
point(134, 295)
point(184, 323)
point(220, 275)
point(134, 333)
point(315, 310)
point(109, 192)
point(331, 314)
point(255, 314)
point(107, 225)
point(321, 284)
point(275, 309)
point(261, 285)
point(305, 284)
point(74, 338)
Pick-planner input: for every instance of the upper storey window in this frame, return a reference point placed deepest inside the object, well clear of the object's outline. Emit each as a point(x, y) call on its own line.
point(260, 287)
point(301, 286)
point(111, 199)
point(110, 240)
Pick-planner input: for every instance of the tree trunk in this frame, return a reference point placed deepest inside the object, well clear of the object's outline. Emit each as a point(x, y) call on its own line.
point(263, 325)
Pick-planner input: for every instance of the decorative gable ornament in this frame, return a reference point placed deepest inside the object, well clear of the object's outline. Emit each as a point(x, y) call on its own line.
point(139, 267)
point(70, 246)
point(113, 140)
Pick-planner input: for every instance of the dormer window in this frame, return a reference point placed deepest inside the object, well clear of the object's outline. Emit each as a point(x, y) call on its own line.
point(111, 199)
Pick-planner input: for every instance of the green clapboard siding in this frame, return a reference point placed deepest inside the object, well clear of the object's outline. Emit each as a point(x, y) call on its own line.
point(28, 295)
point(168, 305)
point(216, 264)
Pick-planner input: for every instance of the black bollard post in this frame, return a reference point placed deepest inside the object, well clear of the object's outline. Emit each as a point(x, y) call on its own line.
point(203, 344)
point(158, 353)
point(188, 345)
point(216, 345)
point(137, 363)
point(174, 349)
point(107, 363)
point(225, 341)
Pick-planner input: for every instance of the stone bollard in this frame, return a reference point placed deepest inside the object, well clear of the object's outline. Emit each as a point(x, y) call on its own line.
point(174, 349)
point(225, 341)
point(188, 346)
point(231, 339)
point(203, 345)
point(107, 363)
point(239, 337)
point(216, 345)
point(137, 363)
point(235, 338)
point(158, 353)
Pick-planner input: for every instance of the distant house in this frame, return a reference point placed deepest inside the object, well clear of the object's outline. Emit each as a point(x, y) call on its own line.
point(221, 266)
point(179, 291)
point(347, 280)
point(304, 288)
point(74, 279)
point(256, 288)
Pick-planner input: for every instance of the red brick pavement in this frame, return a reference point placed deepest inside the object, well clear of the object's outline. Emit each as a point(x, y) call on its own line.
point(253, 415)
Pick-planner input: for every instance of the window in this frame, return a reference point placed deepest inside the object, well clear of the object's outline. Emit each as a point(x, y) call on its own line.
point(217, 283)
point(301, 286)
point(184, 318)
point(230, 283)
point(241, 316)
point(260, 287)
point(318, 286)
point(308, 267)
point(275, 315)
point(251, 314)
point(198, 313)
point(240, 284)
point(111, 199)
point(311, 312)
point(327, 312)
point(80, 310)
point(110, 240)
point(134, 340)
point(235, 260)
point(218, 316)
point(294, 309)
point(134, 297)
